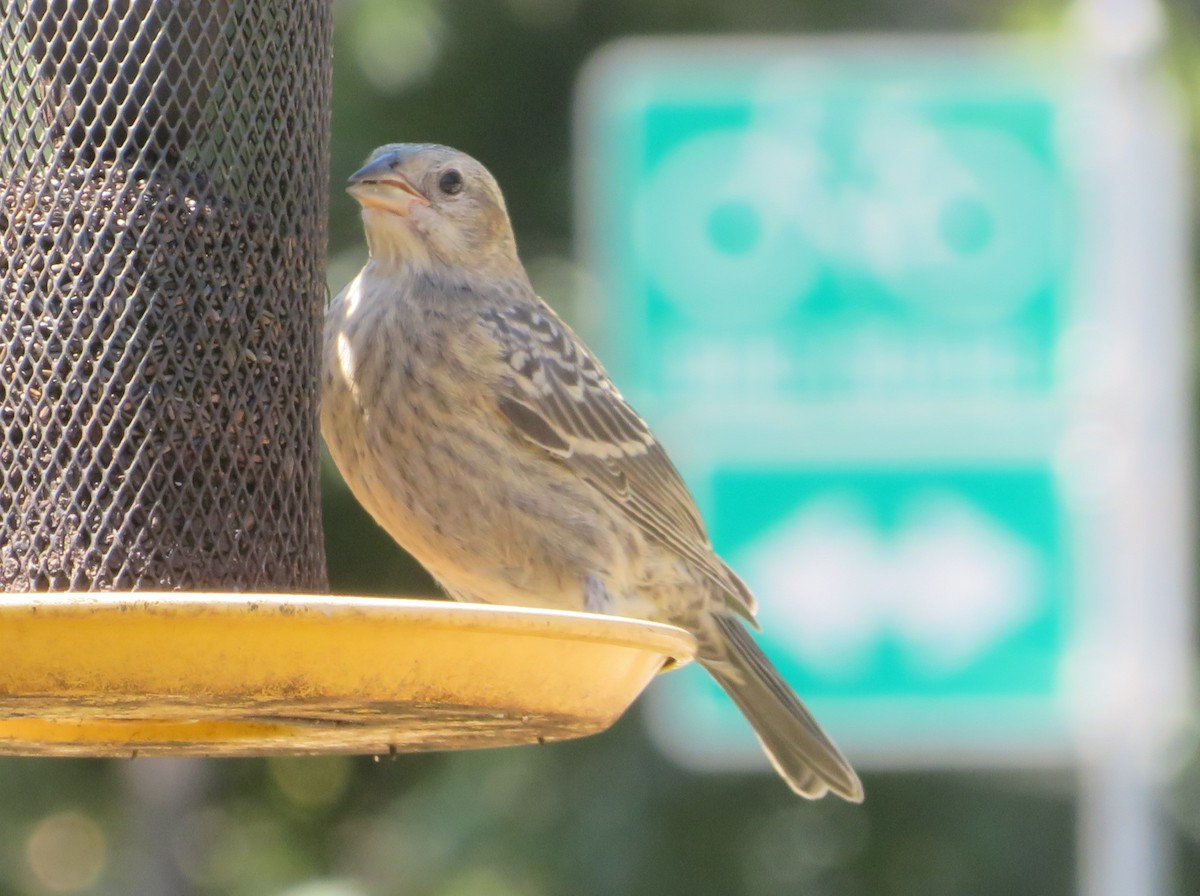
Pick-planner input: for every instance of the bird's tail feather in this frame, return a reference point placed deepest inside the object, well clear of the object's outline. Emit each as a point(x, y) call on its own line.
point(800, 751)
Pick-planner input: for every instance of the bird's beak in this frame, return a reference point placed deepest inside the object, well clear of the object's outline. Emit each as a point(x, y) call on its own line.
point(378, 185)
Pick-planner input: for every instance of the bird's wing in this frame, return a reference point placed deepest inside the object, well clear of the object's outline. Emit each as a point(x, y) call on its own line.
point(557, 396)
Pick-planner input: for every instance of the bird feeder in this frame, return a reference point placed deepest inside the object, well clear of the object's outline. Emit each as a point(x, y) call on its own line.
point(163, 184)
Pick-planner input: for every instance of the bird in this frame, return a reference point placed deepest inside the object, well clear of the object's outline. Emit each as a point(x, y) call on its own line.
point(488, 441)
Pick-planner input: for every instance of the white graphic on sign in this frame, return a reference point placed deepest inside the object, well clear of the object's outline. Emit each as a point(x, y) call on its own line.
point(720, 229)
point(961, 222)
point(949, 584)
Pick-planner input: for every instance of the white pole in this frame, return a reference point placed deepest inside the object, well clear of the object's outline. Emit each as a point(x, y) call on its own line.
point(1144, 642)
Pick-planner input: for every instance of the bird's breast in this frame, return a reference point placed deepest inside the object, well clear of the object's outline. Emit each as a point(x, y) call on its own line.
point(410, 417)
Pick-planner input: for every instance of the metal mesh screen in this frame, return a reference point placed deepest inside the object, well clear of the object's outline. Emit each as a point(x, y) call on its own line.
point(163, 193)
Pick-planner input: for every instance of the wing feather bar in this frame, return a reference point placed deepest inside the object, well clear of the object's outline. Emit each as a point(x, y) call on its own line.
point(560, 398)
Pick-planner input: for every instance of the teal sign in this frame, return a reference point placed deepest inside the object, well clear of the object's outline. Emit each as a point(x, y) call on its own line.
point(840, 284)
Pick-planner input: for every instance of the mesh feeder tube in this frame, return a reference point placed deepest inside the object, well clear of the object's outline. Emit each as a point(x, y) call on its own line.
point(163, 184)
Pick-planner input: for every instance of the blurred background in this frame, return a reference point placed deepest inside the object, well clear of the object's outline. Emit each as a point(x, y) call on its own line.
point(610, 814)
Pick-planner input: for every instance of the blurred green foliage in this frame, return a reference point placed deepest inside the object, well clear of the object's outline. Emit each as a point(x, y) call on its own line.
point(607, 815)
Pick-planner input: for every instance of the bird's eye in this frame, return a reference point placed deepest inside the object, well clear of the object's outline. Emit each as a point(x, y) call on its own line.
point(451, 182)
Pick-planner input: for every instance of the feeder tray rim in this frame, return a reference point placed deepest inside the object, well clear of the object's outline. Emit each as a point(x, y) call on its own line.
point(225, 674)
point(677, 643)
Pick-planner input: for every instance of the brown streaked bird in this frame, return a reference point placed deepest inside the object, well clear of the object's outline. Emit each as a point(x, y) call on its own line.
point(480, 432)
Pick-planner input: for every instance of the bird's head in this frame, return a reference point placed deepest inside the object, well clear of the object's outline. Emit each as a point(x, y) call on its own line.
point(426, 206)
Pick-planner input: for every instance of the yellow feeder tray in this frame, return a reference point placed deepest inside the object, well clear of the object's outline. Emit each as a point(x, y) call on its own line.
point(236, 675)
